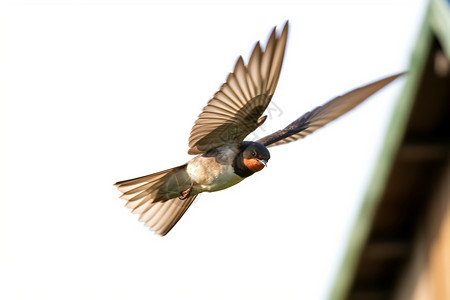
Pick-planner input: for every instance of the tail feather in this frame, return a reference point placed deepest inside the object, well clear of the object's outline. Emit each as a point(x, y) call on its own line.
point(136, 190)
point(181, 209)
point(155, 197)
point(167, 214)
point(130, 184)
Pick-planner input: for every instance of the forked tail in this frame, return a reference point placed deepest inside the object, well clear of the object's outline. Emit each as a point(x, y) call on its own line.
point(156, 197)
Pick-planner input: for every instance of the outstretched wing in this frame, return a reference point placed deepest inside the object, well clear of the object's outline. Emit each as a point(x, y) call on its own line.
point(235, 110)
point(322, 115)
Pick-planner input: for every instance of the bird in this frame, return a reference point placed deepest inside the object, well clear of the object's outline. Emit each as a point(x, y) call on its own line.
point(222, 157)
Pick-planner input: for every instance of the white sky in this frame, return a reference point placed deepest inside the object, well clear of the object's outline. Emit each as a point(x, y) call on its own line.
point(96, 92)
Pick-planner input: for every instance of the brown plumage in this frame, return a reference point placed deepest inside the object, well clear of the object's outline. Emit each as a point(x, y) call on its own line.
point(322, 115)
point(235, 110)
point(217, 137)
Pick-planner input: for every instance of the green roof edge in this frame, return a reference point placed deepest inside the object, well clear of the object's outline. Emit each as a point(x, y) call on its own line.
point(437, 20)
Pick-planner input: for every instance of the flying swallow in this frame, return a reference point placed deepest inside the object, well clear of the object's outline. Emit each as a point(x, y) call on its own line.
point(223, 158)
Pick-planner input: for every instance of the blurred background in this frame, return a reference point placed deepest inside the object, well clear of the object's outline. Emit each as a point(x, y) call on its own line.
point(399, 247)
point(93, 92)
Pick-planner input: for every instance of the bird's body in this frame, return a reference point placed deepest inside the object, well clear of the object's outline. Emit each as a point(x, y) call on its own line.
point(217, 138)
point(210, 174)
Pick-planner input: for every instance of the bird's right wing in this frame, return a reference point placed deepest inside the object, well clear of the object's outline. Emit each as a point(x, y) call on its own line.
point(322, 115)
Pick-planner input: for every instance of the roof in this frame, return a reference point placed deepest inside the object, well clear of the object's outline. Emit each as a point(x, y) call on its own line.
point(416, 147)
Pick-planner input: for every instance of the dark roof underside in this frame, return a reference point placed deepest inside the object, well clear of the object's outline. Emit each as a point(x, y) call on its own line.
point(416, 149)
point(417, 166)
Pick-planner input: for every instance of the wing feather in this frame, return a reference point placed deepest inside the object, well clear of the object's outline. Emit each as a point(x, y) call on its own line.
point(241, 78)
point(267, 59)
point(234, 111)
point(254, 70)
point(322, 115)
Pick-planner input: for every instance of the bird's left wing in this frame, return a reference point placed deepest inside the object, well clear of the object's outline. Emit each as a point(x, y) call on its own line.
point(322, 115)
point(235, 110)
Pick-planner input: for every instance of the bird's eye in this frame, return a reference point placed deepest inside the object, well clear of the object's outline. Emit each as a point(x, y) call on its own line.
point(253, 153)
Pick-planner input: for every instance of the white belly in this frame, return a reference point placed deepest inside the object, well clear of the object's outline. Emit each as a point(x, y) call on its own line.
point(209, 175)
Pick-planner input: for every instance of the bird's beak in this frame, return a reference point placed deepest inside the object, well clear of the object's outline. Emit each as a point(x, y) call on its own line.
point(264, 162)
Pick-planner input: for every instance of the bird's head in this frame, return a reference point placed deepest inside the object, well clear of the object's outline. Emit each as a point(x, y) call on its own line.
point(255, 156)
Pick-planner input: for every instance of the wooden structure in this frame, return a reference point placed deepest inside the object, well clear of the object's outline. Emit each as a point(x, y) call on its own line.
point(400, 245)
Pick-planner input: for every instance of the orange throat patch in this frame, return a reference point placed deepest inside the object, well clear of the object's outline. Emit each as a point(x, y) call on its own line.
point(253, 164)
